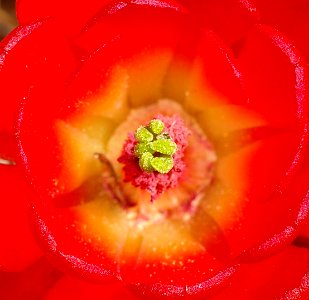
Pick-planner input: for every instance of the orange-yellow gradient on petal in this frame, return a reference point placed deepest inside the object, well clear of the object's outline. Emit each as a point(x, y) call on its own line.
point(138, 84)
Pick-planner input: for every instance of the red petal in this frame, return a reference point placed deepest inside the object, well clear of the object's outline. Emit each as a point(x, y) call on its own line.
point(108, 24)
point(198, 291)
point(272, 69)
point(73, 288)
point(32, 283)
point(231, 19)
point(268, 279)
point(299, 292)
point(29, 56)
point(290, 17)
point(73, 14)
point(71, 255)
point(10, 44)
point(19, 247)
point(220, 73)
point(32, 55)
point(274, 72)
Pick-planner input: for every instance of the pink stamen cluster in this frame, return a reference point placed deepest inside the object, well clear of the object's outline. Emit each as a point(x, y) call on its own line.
point(154, 182)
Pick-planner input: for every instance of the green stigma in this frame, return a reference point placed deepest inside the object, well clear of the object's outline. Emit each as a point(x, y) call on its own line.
point(155, 148)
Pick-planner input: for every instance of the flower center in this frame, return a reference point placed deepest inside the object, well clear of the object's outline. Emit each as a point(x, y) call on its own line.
point(153, 155)
point(166, 155)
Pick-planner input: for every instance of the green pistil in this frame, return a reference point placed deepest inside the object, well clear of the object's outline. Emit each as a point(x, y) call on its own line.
point(155, 148)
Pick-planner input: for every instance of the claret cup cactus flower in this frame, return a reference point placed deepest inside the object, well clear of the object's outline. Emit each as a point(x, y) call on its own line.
point(155, 149)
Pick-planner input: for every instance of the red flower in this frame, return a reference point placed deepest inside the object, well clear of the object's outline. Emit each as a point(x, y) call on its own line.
point(76, 81)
